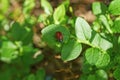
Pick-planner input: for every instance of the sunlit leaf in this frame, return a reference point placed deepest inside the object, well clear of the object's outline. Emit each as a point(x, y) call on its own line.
point(48, 34)
point(59, 14)
point(99, 8)
point(114, 7)
point(82, 29)
point(71, 50)
point(47, 7)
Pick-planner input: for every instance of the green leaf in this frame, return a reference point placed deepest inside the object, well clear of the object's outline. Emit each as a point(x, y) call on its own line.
point(66, 3)
point(105, 44)
point(47, 7)
point(40, 75)
point(8, 51)
point(4, 6)
point(101, 42)
point(86, 67)
point(99, 8)
point(71, 50)
point(114, 7)
point(115, 27)
point(5, 73)
point(116, 73)
point(48, 34)
point(95, 57)
point(91, 77)
point(82, 29)
point(96, 26)
point(42, 17)
point(28, 56)
point(103, 60)
point(59, 14)
point(83, 77)
point(21, 33)
point(101, 75)
point(105, 22)
point(92, 55)
point(28, 6)
point(31, 77)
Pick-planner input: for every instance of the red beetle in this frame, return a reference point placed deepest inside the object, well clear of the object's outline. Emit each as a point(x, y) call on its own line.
point(59, 36)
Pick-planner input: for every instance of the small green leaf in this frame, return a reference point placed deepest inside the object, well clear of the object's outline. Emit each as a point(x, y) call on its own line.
point(95, 57)
point(91, 77)
point(105, 44)
point(103, 60)
point(8, 51)
point(42, 17)
point(105, 22)
point(96, 26)
point(21, 33)
point(116, 26)
point(86, 67)
point(47, 7)
point(59, 14)
point(99, 8)
point(66, 3)
point(48, 34)
point(31, 77)
point(4, 6)
point(40, 75)
point(101, 75)
point(82, 29)
point(101, 42)
point(92, 55)
point(28, 56)
point(116, 73)
point(114, 7)
point(71, 50)
point(28, 6)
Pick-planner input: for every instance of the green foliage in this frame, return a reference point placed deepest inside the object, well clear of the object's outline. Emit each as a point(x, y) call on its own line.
point(39, 75)
point(114, 7)
point(59, 14)
point(47, 7)
point(71, 50)
point(101, 41)
point(99, 8)
point(82, 29)
point(101, 75)
point(99, 38)
point(96, 57)
point(8, 51)
point(115, 27)
point(48, 34)
point(18, 30)
point(28, 6)
point(97, 44)
point(116, 73)
point(5, 5)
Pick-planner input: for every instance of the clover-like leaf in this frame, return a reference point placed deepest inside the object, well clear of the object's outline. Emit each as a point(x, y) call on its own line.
point(96, 57)
point(59, 14)
point(114, 7)
point(48, 34)
point(8, 51)
point(71, 50)
point(99, 8)
point(47, 7)
point(82, 29)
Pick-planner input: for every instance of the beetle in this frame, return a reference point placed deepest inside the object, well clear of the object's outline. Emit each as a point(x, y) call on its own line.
point(59, 36)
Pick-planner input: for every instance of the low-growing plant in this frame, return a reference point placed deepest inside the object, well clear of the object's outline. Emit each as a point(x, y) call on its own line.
point(102, 38)
point(98, 43)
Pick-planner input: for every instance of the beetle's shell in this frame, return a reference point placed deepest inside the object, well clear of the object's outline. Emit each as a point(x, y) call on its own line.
point(59, 36)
